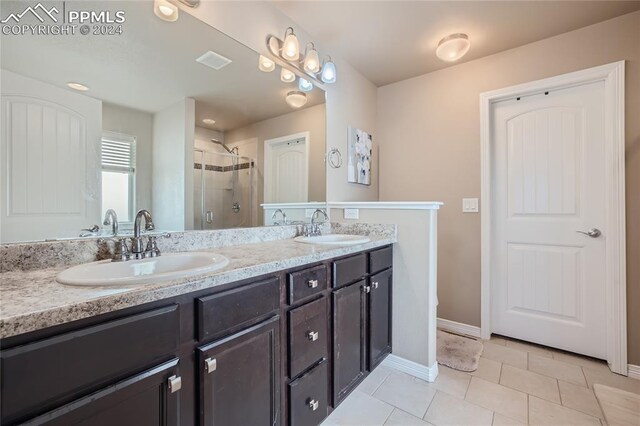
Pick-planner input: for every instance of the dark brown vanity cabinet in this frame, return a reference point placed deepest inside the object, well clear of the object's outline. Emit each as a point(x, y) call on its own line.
point(379, 317)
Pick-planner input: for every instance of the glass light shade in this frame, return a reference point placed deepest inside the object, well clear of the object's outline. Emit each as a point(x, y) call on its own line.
point(287, 76)
point(312, 62)
point(453, 47)
point(305, 85)
point(266, 64)
point(290, 46)
point(296, 99)
point(165, 10)
point(328, 72)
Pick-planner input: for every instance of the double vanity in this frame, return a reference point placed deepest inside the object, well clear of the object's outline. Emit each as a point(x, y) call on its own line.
point(271, 332)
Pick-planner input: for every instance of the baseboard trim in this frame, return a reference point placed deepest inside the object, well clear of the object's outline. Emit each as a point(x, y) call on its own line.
point(418, 370)
point(633, 371)
point(458, 327)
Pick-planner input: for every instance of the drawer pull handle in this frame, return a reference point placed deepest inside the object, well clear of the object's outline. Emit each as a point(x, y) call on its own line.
point(210, 364)
point(374, 284)
point(314, 404)
point(175, 383)
point(313, 283)
point(312, 335)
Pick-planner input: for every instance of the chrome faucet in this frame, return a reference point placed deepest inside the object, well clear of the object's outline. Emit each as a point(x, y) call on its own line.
point(137, 246)
point(284, 217)
point(313, 229)
point(111, 218)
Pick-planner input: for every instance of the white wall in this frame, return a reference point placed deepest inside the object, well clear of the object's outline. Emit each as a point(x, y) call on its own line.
point(172, 177)
point(119, 119)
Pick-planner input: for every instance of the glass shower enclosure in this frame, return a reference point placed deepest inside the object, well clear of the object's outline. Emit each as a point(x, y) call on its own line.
point(224, 189)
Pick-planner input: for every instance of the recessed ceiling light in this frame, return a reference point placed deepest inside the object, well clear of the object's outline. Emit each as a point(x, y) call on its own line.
point(165, 10)
point(265, 64)
point(209, 121)
point(296, 99)
point(453, 47)
point(287, 76)
point(77, 86)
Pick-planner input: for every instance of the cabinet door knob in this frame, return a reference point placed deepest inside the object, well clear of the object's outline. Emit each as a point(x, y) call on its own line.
point(313, 404)
point(374, 284)
point(366, 288)
point(210, 364)
point(312, 335)
point(313, 283)
point(175, 383)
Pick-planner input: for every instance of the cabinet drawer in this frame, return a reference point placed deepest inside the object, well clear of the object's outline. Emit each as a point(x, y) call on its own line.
point(305, 283)
point(229, 311)
point(308, 397)
point(44, 374)
point(380, 259)
point(349, 270)
point(307, 335)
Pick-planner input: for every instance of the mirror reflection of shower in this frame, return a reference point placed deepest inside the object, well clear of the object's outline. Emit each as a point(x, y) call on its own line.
point(224, 188)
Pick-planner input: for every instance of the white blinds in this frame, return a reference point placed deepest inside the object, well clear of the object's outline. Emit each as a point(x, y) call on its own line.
point(118, 152)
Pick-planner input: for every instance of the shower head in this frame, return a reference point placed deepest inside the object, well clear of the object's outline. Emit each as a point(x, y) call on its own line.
point(233, 150)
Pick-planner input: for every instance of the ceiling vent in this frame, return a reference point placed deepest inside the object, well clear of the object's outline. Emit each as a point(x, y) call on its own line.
point(214, 60)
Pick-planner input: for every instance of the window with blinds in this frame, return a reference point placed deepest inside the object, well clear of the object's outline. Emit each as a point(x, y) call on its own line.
point(118, 159)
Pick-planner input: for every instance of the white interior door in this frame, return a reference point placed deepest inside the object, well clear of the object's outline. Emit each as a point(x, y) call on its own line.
point(286, 170)
point(50, 160)
point(548, 283)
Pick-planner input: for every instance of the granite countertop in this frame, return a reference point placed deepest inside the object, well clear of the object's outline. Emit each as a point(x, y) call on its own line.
point(33, 300)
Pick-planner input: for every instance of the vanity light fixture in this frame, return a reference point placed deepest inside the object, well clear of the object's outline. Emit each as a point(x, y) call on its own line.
point(265, 64)
point(328, 71)
point(290, 46)
point(287, 76)
point(165, 10)
point(311, 62)
point(307, 62)
point(305, 85)
point(77, 86)
point(453, 47)
point(209, 121)
point(296, 99)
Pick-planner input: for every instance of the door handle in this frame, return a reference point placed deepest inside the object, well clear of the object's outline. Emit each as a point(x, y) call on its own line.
point(593, 233)
point(312, 335)
point(175, 383)
point(209, 216)
point(374, 284)
point(210, 364)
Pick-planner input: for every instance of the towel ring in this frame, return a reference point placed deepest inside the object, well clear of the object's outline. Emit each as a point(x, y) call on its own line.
point(334, 158)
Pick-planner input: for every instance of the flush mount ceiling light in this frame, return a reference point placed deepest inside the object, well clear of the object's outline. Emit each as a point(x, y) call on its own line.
point(287, 76)
point(305, 85)
point(453, 47)
point(77, 86)
point(209, 121)
point(265, 64)
point(328, 71)
point(165, 10)
point(296, 99)
point(309, 62)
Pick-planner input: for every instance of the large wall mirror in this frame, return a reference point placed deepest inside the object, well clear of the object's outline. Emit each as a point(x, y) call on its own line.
point(173, 117)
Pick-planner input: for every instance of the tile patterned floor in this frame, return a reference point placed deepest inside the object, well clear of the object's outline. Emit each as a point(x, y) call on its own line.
point(516, 383)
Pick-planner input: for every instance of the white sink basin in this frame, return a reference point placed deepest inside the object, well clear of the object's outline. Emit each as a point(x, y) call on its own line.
point(145, 271)
point(334, 239)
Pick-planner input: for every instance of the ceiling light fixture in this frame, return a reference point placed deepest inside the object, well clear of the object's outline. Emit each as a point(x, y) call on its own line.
point(328, 71)
point(286, 76)
point(453, 47)
point(311, 62)
point(77, 86)
point(209, 121)
point(265, 64)
point(165, 10)
point(308, 63)
point(290, 46)
point(305, 85)
point(296, 99)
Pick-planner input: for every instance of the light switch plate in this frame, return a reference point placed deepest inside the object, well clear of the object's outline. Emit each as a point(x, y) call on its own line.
point(352, 213)
point(469, 205)
point(308, 213)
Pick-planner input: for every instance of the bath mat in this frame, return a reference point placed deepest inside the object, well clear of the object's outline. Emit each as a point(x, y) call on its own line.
point(620, 408)
point(457, 352)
